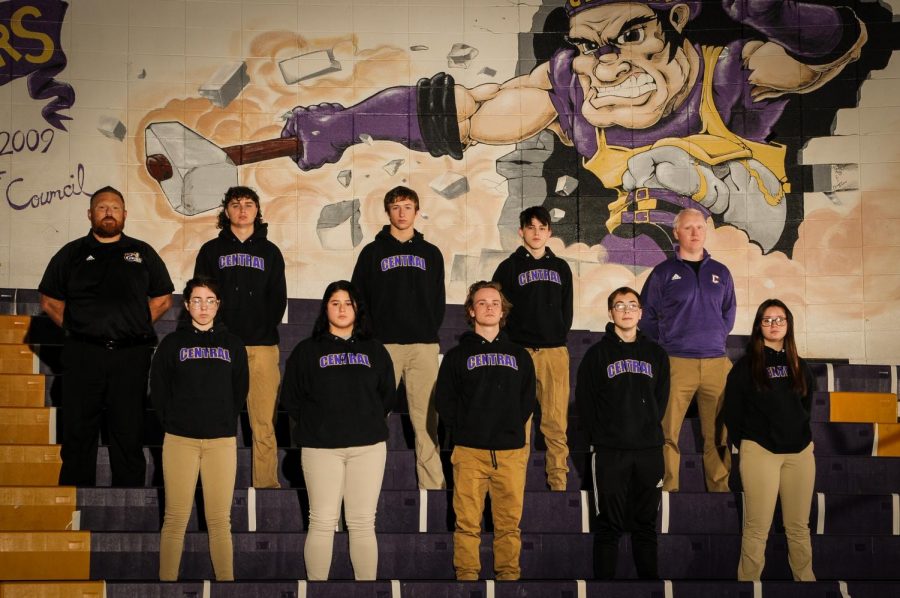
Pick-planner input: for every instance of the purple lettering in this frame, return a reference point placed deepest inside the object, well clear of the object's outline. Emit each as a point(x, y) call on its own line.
point(46, 197)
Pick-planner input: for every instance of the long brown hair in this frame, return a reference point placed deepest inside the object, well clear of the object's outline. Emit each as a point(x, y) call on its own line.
point(757, 350)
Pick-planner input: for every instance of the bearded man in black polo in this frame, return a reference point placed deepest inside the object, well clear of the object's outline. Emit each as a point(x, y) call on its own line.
point(105, 290)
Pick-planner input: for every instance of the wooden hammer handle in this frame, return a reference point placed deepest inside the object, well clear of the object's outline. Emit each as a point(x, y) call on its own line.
point(160, 168)
point(263, 150)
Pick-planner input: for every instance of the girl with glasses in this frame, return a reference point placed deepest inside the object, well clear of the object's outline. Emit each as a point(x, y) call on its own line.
point(339, 388)
point(198, 385)
point(768, 399)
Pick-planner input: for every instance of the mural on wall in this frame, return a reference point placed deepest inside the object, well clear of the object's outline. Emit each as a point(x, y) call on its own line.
point(30, 47)
point(663, 122)
point(614, 115)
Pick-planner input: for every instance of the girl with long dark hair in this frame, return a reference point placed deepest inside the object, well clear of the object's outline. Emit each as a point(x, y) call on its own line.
point(768, 399)
point(339, 387)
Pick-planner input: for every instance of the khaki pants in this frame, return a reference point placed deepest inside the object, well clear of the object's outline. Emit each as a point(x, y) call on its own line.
point(261, 401)
point(706, 378)
point(765, 477)
point(417, 366)
point(551, 368)
point(475, 473)
point(216, 462)
point(352, 475)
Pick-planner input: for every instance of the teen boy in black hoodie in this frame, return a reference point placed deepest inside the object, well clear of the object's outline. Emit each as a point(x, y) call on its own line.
point(539, 284)
point(485, 395)
point(621, 394)
point(250, 271)
point(400, 276)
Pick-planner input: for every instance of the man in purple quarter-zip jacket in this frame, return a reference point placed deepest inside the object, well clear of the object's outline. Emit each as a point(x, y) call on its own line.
point(689, 309)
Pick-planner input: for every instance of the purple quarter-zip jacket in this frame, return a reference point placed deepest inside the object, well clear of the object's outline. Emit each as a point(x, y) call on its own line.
point(688, 314)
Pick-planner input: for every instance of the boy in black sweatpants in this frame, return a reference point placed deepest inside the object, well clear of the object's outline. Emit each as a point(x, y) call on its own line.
point(621, 394)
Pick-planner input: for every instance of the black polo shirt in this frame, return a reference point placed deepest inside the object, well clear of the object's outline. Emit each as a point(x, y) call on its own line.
point(106, 287)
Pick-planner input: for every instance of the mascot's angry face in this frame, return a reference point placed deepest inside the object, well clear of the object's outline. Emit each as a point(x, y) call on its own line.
point(628, 73)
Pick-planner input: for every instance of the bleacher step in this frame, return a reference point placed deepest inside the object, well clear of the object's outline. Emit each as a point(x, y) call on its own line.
point(45, 555)
point(18, 359)
point(57, 589)
point(22, 390)
point(14, 329)
point(264, 556)
point(37, 508)
point(29, 465)
point(505, 589)
point(414, 511)
point(28, 425)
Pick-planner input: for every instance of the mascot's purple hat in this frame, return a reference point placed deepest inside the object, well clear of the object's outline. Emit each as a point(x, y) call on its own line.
point(576, 6)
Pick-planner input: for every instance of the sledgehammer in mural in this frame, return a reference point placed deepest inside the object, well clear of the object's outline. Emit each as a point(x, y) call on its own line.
point(664, 122)
point(194, 172)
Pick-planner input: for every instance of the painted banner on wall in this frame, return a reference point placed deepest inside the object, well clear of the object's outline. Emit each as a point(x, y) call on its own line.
point(778, 120)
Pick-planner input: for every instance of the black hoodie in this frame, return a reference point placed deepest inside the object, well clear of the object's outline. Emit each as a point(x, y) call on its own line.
point(776, 418)
point(485, 392)
point(253, 288)
point(402, 284)
point(339, 391)
point(541, 293)
point(622, 390)
point(199, 382)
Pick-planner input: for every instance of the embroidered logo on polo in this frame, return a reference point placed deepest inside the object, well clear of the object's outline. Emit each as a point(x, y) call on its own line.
point(334, 359)
point(133, 257)
point(242, 260)
point(777, 371)
point(188, 353)
point(403, 261)
point(89, 258)
point(539, 275)
point(491, 359)
point(629, 366)
point(676, 277)
point(715, 278)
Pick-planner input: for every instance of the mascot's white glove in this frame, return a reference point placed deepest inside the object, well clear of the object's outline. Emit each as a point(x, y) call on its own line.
point(736, 189)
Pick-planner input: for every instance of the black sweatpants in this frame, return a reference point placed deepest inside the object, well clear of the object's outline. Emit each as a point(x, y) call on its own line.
point(627, 487)
point(96, 379)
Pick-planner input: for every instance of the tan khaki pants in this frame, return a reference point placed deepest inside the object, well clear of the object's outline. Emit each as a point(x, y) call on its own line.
point(474, 475)
point(261, 401)
point(705, 378)
point(215, 460)
point(766, 476)
point(417, 366)
point(352, 475)
point(551, 368)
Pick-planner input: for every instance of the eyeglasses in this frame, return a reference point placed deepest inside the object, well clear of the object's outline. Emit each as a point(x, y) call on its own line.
point(208, 302)
point(620, 307)
point(776, 321)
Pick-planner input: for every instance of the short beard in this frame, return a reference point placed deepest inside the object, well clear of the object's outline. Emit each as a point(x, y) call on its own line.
point(106, 232)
